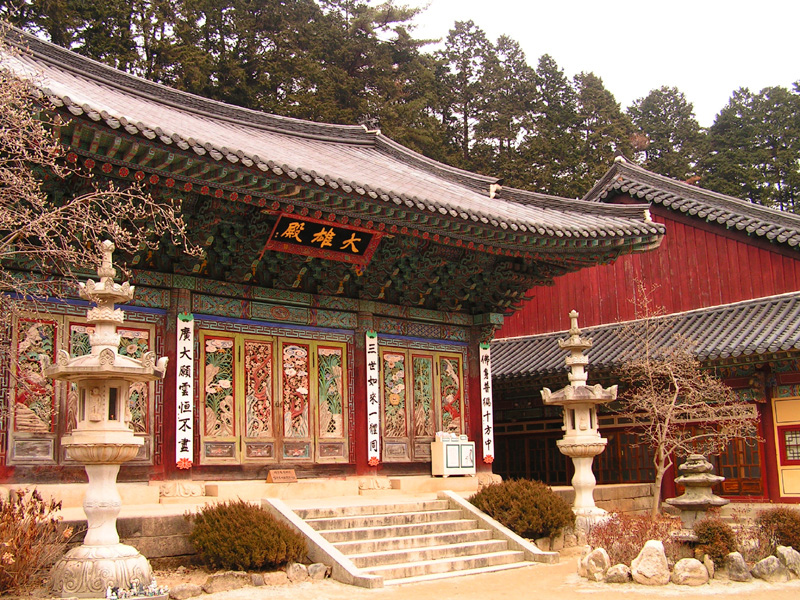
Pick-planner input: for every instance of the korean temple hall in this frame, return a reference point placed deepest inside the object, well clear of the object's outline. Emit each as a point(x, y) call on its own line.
point(341, 312)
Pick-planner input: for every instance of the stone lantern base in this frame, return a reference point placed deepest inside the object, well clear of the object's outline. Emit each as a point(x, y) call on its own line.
point(87, 571)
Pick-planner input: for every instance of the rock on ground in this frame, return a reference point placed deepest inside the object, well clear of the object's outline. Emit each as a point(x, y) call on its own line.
point(597, 563)
point(790, 558)
point(736, 567)
point(689, 571)
point(710, 566)
point(276, 578)
point(582, 561)
point(618, 574)
point(297, 572)
point(183, 591)
point(770, 569)
point(651, 567)
point(226, 581)
point(318, 571)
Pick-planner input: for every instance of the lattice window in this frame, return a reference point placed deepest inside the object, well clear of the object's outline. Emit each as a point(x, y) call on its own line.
point(789, 440)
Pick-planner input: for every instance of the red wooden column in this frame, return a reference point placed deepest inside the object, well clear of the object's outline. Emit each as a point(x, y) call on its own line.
point(766, 425)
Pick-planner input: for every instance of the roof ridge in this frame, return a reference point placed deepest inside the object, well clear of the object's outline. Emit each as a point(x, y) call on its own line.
point(116, 78)
point(675, 315)
point(763, 221)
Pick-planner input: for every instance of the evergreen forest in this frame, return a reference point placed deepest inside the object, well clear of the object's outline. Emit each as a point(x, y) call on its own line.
point(469, 101)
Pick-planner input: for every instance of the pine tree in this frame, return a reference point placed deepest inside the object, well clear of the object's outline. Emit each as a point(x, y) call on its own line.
point(671, 136)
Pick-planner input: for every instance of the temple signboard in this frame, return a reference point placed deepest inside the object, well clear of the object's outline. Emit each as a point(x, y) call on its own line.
point(323, 239)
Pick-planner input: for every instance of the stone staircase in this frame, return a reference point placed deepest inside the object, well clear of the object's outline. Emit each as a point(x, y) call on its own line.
point(408, 541)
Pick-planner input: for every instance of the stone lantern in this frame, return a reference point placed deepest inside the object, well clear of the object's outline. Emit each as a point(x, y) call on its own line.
point(102, 440)
point(582, 440)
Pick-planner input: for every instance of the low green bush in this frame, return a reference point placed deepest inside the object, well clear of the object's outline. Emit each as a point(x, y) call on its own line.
point(715, 538)
point(239, 536)
point(528, 508)
point(32, 538)
point(781, 526)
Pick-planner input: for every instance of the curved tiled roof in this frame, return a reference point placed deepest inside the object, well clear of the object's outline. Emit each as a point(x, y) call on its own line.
point(626, 178)
point(339, 157)
point(753, 327)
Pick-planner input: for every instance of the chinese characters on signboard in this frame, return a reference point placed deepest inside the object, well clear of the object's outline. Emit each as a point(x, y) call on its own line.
point(373, 401)
point(184, 392)
point(313, 237)
point(487, 421)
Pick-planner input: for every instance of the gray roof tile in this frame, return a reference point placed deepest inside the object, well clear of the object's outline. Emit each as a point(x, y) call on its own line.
point(752, 327)
point(339, 156)
point(760, 221)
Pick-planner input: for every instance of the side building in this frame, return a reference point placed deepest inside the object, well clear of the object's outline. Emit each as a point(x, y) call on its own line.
point(348, 289)
point(727, 275)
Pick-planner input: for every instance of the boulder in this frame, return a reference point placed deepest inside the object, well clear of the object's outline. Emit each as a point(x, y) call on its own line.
point(689, 571)
point(318, 571)
point(182, 591)
point(770, 569)
point(709, 565)
point(256, 579)
point(226, 581)
point(618, 574)
point(651, 567)
point(275, 578)
point(597, 563)
point(582, 561)
point(736, 567)
point(297, 572)
point(790, 558)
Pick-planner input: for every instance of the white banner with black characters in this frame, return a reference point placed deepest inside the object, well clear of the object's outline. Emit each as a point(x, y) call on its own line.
point(487, 419)
point(373, 400)
point(184, 392)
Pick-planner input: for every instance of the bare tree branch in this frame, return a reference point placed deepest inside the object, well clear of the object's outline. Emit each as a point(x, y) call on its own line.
point(674, 405)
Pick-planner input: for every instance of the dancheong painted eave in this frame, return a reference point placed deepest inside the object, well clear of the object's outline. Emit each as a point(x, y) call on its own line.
point(339, 160)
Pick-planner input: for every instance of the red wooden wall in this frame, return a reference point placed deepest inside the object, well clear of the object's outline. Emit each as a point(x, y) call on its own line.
point(697, 265)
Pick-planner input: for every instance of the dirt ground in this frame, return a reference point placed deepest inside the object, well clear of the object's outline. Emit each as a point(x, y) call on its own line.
point(539, 582)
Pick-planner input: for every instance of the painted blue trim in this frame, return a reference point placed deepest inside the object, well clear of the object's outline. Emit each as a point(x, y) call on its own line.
point(218, 319)
point(86, 303)
point(407, 338)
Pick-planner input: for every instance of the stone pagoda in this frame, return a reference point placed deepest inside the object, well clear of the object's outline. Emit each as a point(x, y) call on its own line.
point(582, 440)
point(102, 440)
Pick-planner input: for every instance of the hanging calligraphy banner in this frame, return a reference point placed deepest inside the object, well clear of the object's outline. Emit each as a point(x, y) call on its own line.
point(323, 239)
point(373, 401)
point(184, 392)
point(487, 420)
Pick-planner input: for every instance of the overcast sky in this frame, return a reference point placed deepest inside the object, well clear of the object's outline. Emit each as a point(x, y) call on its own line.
point(705, 48)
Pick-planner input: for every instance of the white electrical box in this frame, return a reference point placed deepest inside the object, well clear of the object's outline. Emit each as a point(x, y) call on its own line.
point(452, 454)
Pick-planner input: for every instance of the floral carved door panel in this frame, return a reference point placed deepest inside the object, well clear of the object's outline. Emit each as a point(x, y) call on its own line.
point(396, 442)
point(450, 393)
point(35, 400)
point(424, 417)
point(217, 393)
point(271, 399)
point(259, 393)
point(421, 393)
point(331, 403)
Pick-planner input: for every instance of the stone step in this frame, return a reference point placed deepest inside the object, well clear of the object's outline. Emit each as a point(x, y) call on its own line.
point(429, 553)
point(372, 533)
point(477, 571)
point(386, 519)
point(413, 541)
point(445, 565)
point(370, 509)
